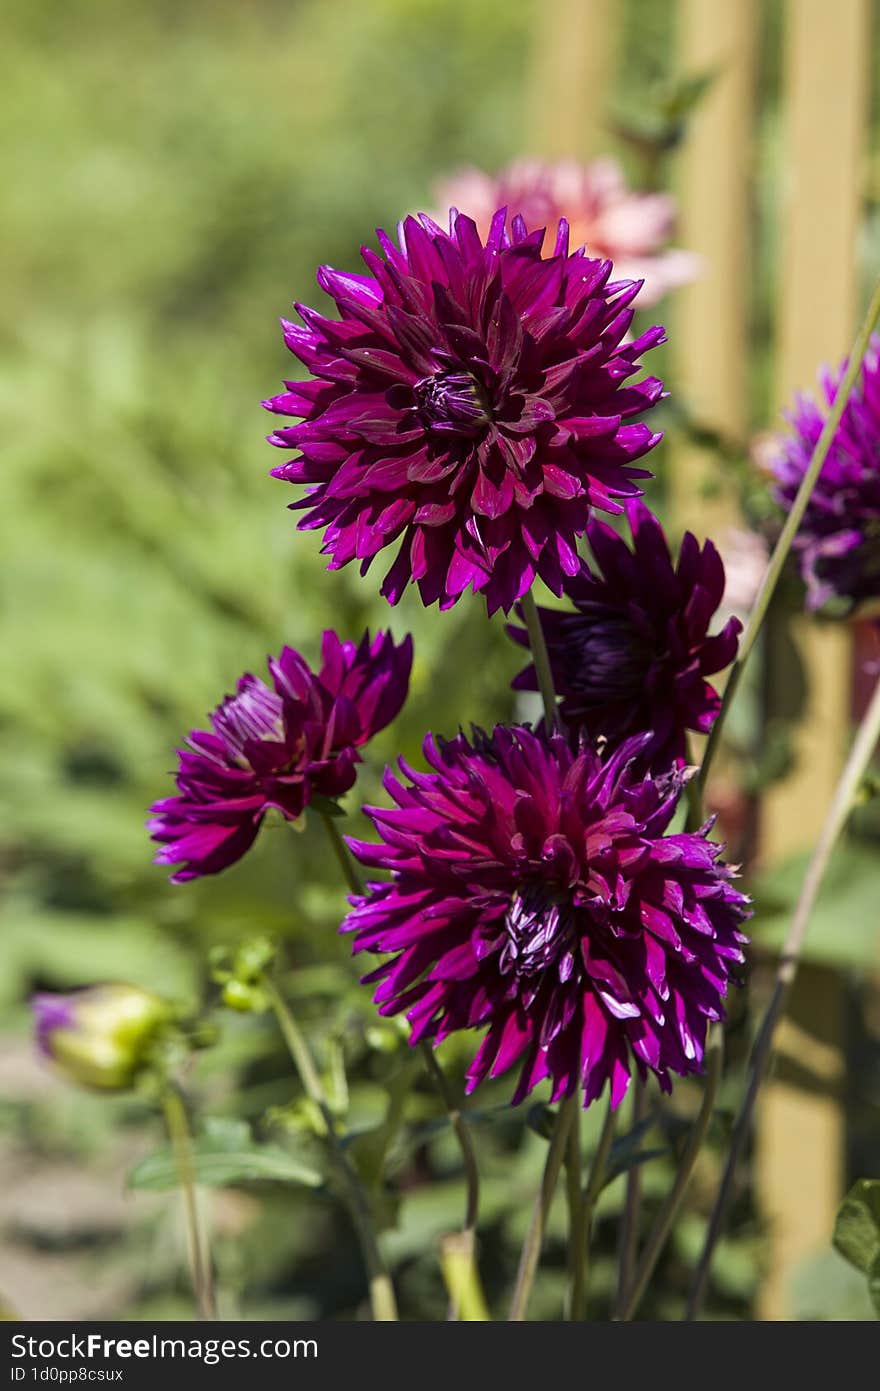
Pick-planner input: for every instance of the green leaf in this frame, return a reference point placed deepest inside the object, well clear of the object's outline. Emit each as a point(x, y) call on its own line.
point(224, 1154)
point(857, 1230)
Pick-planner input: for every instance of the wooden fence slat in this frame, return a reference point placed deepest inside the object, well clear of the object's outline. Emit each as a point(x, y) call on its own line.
point(572, 77)
point(800, 1136)
point(710, 317)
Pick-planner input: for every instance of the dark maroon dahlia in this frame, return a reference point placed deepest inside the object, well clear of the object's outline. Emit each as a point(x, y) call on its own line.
point(471, 404)
point(634, 654)
point(838, 541)
point(278, 748)
point(535, 890)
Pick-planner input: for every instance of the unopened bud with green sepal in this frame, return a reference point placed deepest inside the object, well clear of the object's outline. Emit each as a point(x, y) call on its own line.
point(101, 1036)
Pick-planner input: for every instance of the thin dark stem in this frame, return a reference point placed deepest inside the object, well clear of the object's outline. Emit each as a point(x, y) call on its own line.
point(199, 1253)
point(595, 1183)
point(629, 1227)
point(381, 1289)
point(462, 1134)
point(577, 1225)
point(784, 544)
point(466, 1247)
point(459, 1124)
point(541, 659)
point(860, 756)
point(600, 1162)
point(669, 1211)
point(340, 850)
point(531, 1251)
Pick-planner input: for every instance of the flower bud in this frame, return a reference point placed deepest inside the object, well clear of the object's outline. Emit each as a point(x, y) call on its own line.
point(100, 1036)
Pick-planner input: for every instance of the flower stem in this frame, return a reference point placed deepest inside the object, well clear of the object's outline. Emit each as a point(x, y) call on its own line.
point(531, 1252)
point(577, 1225)
point(340, 850)
point(669, 1211)
point(381, 1289)
point(629, 1227)
point(469, 1155)
point(541, 659)
point(459, 1124)
point(199, 1254)
point(462, 1279)
point(845, 794)
point(595, 1183)
point(786, 538)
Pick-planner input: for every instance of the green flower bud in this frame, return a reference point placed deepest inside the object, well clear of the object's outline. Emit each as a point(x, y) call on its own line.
point(247, 999)
point(100, 1036)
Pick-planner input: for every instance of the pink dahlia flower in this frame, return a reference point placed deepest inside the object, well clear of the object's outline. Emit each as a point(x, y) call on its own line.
point(604, 214)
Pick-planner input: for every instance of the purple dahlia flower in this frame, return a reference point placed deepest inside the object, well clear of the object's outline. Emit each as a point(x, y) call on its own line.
point(635, 653)
point(278, 748)
point(838, 542)
point(472, 403)
point(534, 890)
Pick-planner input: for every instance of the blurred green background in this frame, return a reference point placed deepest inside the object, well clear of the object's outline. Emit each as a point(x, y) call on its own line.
point(173, 174)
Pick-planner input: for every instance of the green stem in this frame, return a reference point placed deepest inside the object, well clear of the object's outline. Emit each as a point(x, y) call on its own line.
point(786, 538)
point(577, 1225)
point(459, 1124)
point(559, 1139)
point(462, 1278)
point(595, 1184)
point(199, 1255)
point(629, 1227)
point(381, 1289)
point(860, 756)
point(462, 1135)
point(669, 1211)
point(340, 850)
point(541, 659)
point(531, 1251)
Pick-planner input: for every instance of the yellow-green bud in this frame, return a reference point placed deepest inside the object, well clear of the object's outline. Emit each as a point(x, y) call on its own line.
point(100, 1036)
point(247, 999)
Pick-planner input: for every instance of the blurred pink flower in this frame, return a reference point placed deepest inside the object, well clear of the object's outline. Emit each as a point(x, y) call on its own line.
point(745, 555)
point(609, 218)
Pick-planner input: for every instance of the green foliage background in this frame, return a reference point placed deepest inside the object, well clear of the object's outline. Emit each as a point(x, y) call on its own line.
point(173, 173)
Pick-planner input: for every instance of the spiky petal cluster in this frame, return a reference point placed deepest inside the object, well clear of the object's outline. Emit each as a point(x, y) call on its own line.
point(838, 541)
point(535, 890)
point(278, 748)
point(612, 220)
point(471, 404)
point(634, 654)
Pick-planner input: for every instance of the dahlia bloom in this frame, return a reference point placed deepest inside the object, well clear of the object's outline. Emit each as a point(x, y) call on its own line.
point(100, 1036)
point(534, 890)
point(838, 541)
point(472, 403)
point(634, 654)
point(278, 748)
point(631, 229)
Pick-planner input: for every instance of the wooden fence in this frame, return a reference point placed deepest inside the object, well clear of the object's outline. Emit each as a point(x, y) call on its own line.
point(826, 50)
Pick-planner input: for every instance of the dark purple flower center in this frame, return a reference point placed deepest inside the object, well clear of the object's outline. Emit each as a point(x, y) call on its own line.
point(609, 660)
point(453, 403)
point(541, 936)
